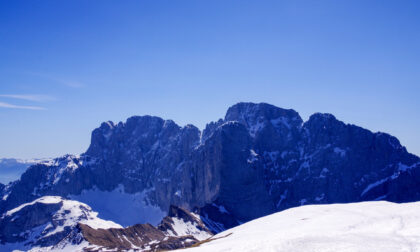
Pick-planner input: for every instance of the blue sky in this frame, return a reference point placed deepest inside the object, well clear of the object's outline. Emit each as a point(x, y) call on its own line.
point(66, 66)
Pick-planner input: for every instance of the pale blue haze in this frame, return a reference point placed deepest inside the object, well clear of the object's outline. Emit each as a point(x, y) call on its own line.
point(66, 66)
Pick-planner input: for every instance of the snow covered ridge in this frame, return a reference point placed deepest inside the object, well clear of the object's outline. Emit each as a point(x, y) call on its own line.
point(52, 223)
point(70, 211)
point(366, 226)
point(43, 200)
point(45, 222)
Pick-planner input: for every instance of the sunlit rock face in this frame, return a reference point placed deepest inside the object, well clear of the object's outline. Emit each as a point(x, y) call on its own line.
point(258, 160)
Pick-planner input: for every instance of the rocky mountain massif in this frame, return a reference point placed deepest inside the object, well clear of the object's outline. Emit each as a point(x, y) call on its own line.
point(258, 160)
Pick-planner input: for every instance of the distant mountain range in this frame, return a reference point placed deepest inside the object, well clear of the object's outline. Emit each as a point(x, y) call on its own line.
point(11, 169)
point(258, 160)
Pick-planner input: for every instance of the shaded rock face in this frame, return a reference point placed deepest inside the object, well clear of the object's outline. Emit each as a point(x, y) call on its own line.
point(246, 193)
point(258, 160)
point(2, 186)
point(336, 162)
point(216, 218)
point(13, 227)
point(181, 222)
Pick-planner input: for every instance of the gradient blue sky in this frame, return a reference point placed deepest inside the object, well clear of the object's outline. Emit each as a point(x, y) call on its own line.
point(66, 66)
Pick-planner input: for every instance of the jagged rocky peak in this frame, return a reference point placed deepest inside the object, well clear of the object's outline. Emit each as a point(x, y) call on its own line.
point(258, 115)
point(210, 128)
point(324, 117)
point(138, 130)
point(324, 129)
point(327, 123)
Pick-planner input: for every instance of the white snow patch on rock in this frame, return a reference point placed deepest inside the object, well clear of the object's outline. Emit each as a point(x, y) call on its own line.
point(187, 228)
point(340, 151)
point(43, 200)
point(253, 156)
point(255, 128)
point(395, 175)
point(123, 208)
point(281, 120)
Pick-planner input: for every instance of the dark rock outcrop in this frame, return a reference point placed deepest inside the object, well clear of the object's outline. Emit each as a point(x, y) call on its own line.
point(142, 237)
point(180, 229)
point(168, 225)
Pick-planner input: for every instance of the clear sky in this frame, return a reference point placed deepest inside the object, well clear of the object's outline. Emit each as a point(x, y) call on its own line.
point(66, 66)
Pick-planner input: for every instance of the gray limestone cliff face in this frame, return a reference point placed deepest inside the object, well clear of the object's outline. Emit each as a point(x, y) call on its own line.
point(337, 162)
point(2, 191)
point(257, 160)
point(140, 152)
point(241, 186)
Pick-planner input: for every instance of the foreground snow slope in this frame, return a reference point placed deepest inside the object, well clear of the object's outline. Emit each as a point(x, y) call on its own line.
point(366, 226)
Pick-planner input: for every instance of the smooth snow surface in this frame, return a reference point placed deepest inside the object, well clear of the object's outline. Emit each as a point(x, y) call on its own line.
point(367, 226)
point(123, 208)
